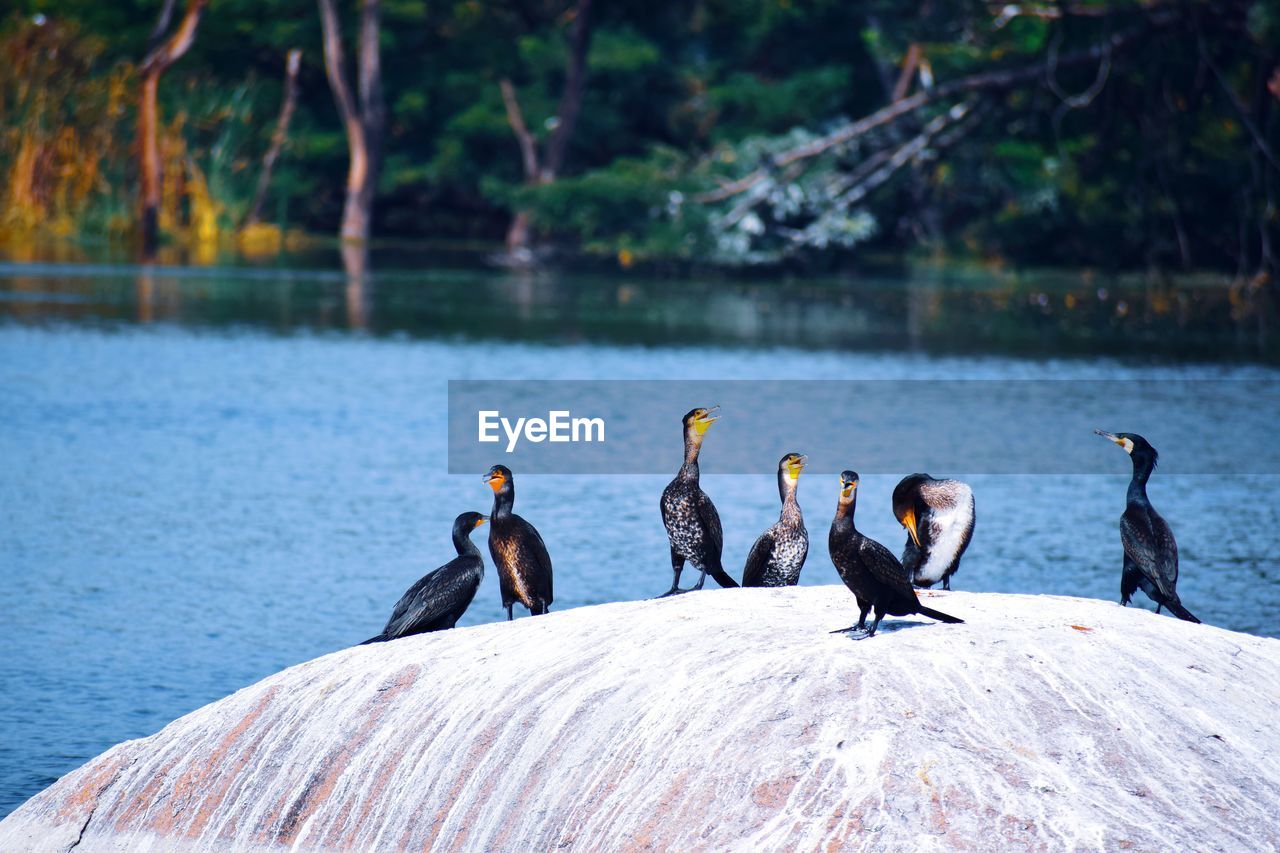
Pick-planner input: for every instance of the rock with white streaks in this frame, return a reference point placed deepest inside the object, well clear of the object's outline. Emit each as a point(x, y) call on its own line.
point(725, 719)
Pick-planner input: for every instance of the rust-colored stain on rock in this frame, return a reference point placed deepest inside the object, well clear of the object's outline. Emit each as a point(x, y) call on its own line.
point(727, 719)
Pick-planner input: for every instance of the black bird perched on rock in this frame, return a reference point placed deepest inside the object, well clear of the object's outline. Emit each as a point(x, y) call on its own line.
point(519, 554)
point(938, 515)
point(778, 555)
point(872, 573)
point(1150, 551)
point(438, 600)
point(693, 525)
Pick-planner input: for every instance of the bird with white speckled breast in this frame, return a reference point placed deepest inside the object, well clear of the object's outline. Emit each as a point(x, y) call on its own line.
point(693, 525)
point(779, 554)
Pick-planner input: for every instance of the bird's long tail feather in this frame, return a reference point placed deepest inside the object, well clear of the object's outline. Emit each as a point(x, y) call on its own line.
point(939, 615)
point(721, 577)
point(381, 638)
point(1176, 608)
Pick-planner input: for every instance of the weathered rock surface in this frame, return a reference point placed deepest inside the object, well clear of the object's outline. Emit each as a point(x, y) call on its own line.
point(726, 719)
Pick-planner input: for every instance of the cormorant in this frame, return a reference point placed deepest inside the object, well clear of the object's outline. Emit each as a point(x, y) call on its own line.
point(519, 555)
point(1150, 551)
point(778, 555)
point(438, 600)
point(693, 525)
point(872, 573)
point(938, 515)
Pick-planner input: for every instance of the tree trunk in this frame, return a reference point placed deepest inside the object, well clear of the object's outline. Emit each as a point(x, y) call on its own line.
point(924, 220)
point(363, 124)
point(149, 165)
point(163, 53)
point(278, 136)
point(518, 232)
point(543, 170)
point(575, 86)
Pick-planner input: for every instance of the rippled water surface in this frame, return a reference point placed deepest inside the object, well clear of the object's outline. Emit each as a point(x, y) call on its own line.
point(209, 477)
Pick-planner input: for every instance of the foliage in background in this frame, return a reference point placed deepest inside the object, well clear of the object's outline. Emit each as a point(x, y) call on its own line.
point(1160, 155)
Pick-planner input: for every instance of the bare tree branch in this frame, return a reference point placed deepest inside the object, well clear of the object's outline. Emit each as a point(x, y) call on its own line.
point(865, 181)
point(164, 51)
point(515, 117)
point(363, 122)
point(909, 65)
point(986, 81)
point(162, 25)
point(170, 50)
point(1258, 139)
point(335, 67)
point(1008, 12)
point(575, 84)
point(373, 107)
point(293, 62)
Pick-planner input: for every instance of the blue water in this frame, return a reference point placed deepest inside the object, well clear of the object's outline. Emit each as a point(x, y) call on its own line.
point(187, 507)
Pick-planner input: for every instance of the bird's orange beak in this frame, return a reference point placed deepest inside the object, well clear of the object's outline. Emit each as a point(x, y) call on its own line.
point(909, 522)
point(495, 482)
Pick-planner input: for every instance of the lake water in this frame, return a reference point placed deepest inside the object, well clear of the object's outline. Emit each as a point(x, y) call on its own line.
point(210, 475)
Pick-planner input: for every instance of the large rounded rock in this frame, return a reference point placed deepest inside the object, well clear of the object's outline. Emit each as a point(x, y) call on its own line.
point(726, 719)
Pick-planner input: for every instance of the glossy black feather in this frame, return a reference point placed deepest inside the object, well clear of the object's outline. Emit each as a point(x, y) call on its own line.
point(758, 560)
point(1150, 549)
point(438, 600)
point(870, 570)
point(520, 556)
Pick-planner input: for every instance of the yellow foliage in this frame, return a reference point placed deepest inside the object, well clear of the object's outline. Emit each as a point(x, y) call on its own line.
point(259, 239)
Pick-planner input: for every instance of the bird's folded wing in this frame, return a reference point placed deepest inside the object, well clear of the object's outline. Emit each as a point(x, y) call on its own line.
point(710, 521)
point(886, 568)
point(543, 559)
point(1153, 557)
point(438, 593)
point(758, 559)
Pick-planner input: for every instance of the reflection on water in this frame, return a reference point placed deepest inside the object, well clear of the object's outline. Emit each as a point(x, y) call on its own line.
point(207, 479)
point(929, 309)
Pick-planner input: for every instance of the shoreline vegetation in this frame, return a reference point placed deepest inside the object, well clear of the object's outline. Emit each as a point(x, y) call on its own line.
point(792, 137)
point(917, 303)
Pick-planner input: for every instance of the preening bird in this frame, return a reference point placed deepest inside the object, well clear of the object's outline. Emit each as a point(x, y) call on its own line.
point(938, 516)
point(519, 554)
point(438, 600)
point(1150, 551)
point(693, 525)
point(868, 569)
point(778, 555)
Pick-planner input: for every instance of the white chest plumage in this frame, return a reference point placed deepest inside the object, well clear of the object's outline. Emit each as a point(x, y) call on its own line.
point(948, 528)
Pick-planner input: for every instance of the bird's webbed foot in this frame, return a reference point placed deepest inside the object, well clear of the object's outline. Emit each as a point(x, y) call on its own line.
point(860, 628)
point(675, 590)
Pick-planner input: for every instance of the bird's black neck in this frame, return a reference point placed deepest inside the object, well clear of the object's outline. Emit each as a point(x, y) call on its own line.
point(844, 514)
point(503, 500)
point(462, 542)
point(692, 445)
point(1142, 468)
